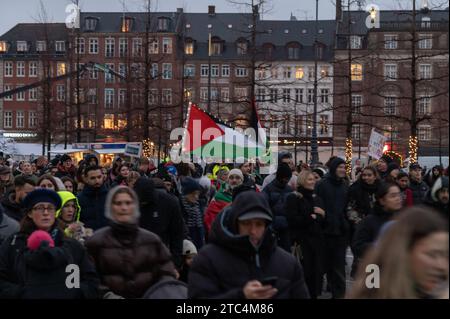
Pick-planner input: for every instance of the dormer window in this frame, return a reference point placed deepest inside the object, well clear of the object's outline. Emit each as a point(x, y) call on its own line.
point(22, 46)
point(4, 46)
point(90, 24)
point(293, 50)
point(41, 46)
point(163, 24)
point(216, 46)
point(242, 47)
point(127, 24)
point(268, 49)
point(189, 47)
point(426, 22)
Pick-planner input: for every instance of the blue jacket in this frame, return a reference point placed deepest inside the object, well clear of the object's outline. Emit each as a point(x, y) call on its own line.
point(92, 202)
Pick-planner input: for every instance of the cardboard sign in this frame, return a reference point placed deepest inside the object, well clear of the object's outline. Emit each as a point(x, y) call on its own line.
point(376, 144)
point(133, 149)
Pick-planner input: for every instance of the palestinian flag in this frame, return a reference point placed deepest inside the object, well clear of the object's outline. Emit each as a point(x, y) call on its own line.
point(211, 139)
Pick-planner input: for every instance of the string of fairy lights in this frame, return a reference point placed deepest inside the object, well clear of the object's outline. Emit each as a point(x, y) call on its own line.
point(412, 147)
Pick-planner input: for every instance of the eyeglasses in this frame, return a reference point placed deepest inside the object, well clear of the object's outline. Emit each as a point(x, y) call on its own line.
point(120, 203)
point(41, 209)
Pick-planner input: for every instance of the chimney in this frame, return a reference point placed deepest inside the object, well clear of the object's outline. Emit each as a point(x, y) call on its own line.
point(338, 10)
point(212, 10)
point(179, 10)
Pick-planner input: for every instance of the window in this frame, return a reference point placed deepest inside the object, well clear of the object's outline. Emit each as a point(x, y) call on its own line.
point(241, 71)
point(311, 74)
point(390, 72)
point(20, 69)
point(92, 96)
point(32, 119)
point(424, 132)
point(155, 70)
point(3, 46)
point(425, 41)
point(390, 132)
point(225, 94)
point(123, 70)
point(108, 121)
point(323, 125)
point(167, 45)
point(93, 46)
point(189, 70)
point(153, 97)
point(20, 119)
point(123, 96)
point(203, 94)
point(286, 95)
point(109, 48)
point(109, 78)
point(424, 105)
point(298, 95)
point(356, 103)
point(93, 74)
point(32, 69)
point(273, 95)
point(204, 70)
point(109, 98)
point(356, 131)
point(8, 87)
point(390, 105)
point(123, 47)
point(356, 72)
point(32, 94)
point(355, 42)
point(242, 48)
point(22, 46)
point(78, 96)
point(324, 71)
point(225, 70)
point(214, 94)
point(167, 96)
point(8, 69)
point(260, 94)
point(137, 47)
point(153, 46)
point(41, 46)
point(287, 72)
point(324, 95)
point(216, 48)
point(8, 117)
point(79, 45)
point(167, 71)
point(189, 48)
point(163, 24)
point(293, 53)
point(127, 24)
point(390, 41)
point(90, 24)
point(61, 68)
point(426, 22)
point(425, 71)
point(215, 70)
point(310, 95)
point(274, 73)
point(20, 95)
point(240, 94)
point(60, 46)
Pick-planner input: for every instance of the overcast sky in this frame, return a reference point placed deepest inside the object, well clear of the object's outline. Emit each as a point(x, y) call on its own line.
point(16, 11)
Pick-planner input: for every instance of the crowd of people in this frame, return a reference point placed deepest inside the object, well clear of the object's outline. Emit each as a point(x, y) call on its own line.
point(140, 230)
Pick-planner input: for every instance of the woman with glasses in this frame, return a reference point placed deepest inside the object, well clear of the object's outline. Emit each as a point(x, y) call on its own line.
point(33, 262)
point(129, 259)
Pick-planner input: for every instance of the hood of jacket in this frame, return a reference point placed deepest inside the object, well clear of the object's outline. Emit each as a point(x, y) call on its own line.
point(441, 182)
point(332, 170)
point(65, 197)
point(88, 158)
point(145, 190)
point(108, 203)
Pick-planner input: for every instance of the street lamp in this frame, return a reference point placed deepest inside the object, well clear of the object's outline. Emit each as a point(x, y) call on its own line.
point(314, 146)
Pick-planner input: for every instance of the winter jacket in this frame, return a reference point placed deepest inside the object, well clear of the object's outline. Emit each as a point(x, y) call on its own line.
point(361, 198)
point(161, 214)
point(41, 274)
point(276, 194)
point(367, 231)
point(167, 288)
point(407, 197)
point(419, 191)
point(221, 200)
point(303, 228)
point(224, 266)
point(334, 193)
point(432, 199)
point(92, 203)
point(7, 187)
point(129, 259)
point(11, 208)
point(8, 226)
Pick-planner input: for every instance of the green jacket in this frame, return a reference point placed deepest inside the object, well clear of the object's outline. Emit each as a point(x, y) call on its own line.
point(65, 197)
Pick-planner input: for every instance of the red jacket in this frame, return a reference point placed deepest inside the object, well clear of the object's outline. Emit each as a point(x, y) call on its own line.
point(214, 208)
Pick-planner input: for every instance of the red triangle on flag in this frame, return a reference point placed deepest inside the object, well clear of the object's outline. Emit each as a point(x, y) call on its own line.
point(198, 122)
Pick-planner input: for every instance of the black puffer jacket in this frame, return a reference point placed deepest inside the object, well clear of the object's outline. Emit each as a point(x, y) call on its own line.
point(419, 191)
point(11, 208)
point(161, 214)
point(276, 194)
point(334, 193)
point(361, 197)
point(223, 267)
point(367, 231)
point(92, 202)
point(41, 274)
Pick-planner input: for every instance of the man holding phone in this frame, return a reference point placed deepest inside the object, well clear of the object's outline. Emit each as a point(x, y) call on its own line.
point(242, 260)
